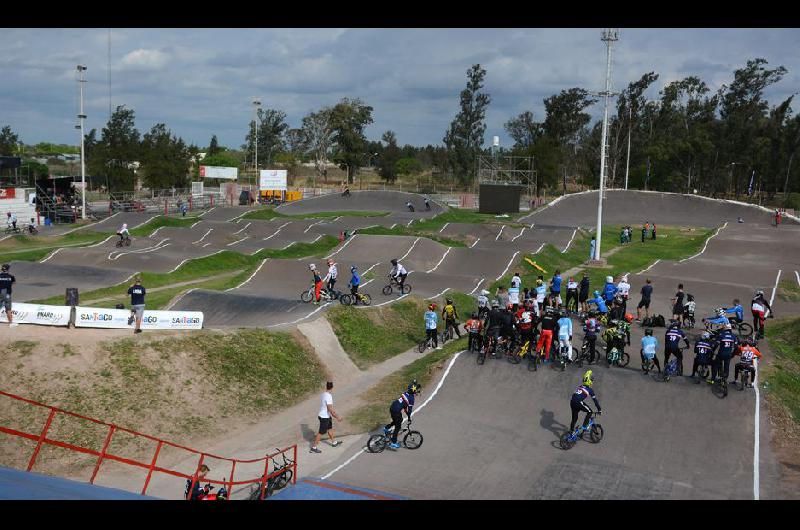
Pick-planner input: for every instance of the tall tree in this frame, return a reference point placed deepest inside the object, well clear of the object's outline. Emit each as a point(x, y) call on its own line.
point(464, 138)
point(349, 118)
point(524, 130)
point(272, 126)
point(165, 159)
point(388, 159)
point(9, 141)
point(213, 146)
point(317, 137)
point(116, 151)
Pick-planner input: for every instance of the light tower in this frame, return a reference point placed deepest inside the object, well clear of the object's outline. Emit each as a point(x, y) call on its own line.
point(609, 35)
point(82, 117)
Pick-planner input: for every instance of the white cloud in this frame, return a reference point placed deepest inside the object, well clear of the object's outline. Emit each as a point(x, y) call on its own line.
point(144, 59)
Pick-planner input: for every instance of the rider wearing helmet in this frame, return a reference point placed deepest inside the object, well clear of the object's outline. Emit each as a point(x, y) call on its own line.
point(398, 273)
point(599, 302)
point(317, 282)
point(688, 310)
point(747, 352)
point(549, 326)
point(331, 276)
point(726, 347)
point(474, 326)
point(355, 281)
point(703, 351)
point(526, 322)
point(431, 325)
point(720, 319)
point(507, 324)
point(555, 289)
point(623, 291)
point(483, 303)
point(541, 292)
point(672, 343)
point(610, 290)
point(450, 315)
point(735, 313)
point(565, 334)
point(6, 280)
point(494, 322)
point(650, 348)
point(759, 306)
point(577, 404)
point(404, 403)
point(591, 328)
point(123, 232)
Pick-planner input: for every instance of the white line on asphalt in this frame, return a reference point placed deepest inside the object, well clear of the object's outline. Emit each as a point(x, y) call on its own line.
point(154, 248)
point(237, 217)
point(276, 232)
point(202, 214)
point(500, 232)
point(144, 223)
point(414, 244)
point(445, 226)
point(366, 271)
point(197, 223)
point(317, 238)
point(707, 240)
point(173, 304)
point(446, 252)
point(520, 233)
point(438, 295)
point(797, 275)
point(477, 285)
point(239, 241)
point(409, 223)
point(263, 261)
point(312, 224)
point(289, 245)
point(390, 301)
point(204, 246)
point(531, 227)
point(243, 229)
point(156, 231)
point(368, 281)
point(650, 267)
point(539, 249)
point(204, 236)
point(507, 266)
point(475, 243)
point(342, 247)
point(100, 243)
point(56, 251)
point(320, 308)
point(775, 287)
point(419, 408)
point(190, 259)
point(88, 225)
point(391, 227)
point(757, 434)
point(570, 240)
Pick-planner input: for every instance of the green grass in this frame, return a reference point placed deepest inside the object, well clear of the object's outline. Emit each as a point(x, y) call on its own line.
point(789, 291)
point(301, 250)
point(22, 347)
point(783, 372)
point(400, 230)
point(27, 248)
point(267, 213)
point(161, 221)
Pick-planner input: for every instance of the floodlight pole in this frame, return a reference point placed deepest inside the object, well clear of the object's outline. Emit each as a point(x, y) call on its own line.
point(628, 159)
point(609, 35)
point(82, 117)
point(256, 105)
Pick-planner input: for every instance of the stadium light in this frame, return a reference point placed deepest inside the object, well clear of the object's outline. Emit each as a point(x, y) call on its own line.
point(81, 80)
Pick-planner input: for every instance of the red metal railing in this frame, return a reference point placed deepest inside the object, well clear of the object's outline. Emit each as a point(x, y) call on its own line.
point(151, 467)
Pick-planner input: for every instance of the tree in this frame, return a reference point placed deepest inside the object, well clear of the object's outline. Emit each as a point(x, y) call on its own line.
point(271, 129)
point(464, 138)
point(116, 151)
point(9, 141)
point(523, 130)
point(388, 159)
point(408, 166)
point(349, 117)
point(165, 159)
point(213, 146)
point(317, 137)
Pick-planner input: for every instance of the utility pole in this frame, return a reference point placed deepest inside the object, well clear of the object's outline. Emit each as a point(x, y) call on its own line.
point(256, 105)
point(82, 117)
point(609, 35)
point(628, 160)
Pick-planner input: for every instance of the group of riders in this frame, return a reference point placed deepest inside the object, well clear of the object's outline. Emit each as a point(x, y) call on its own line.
point(324, 284)
point(11, 224)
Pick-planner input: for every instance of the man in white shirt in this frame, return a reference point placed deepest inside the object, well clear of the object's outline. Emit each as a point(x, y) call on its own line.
point(623, 289)
point(325, 421)
point(330, 278)
point(516, 281)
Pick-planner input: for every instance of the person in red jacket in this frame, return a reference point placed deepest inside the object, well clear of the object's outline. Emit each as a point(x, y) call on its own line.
point(747, 353)
point(317, 282)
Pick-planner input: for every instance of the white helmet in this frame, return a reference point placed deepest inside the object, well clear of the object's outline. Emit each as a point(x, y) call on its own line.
point(312, 267)
point(124, 225)
point(625, 278)
point(609, 279)
point(484, 292)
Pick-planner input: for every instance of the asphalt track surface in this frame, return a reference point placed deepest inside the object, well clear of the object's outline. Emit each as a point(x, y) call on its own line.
point(371, 201)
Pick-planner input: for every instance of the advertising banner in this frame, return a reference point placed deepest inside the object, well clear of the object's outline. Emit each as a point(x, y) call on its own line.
point(8, 193)
point(272, 179)
point(95, 317)
point(46, 315)
point(219, 172)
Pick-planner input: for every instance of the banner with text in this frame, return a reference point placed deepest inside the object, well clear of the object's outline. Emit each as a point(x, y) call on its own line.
point(46, 315)
point(272, 179)
point(8, 193)
point(95, 317)
point(219, 172)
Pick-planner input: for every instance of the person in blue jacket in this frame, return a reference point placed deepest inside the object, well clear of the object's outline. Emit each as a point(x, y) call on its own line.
point(726, 346)
point(355, 281)
point(610, 290)
point(736, 310)
point(650, 348)
point(599, 302)
point(404, 403)
point(719, 320)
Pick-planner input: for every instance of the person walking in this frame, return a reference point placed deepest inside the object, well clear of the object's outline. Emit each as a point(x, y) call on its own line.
point(137, 293)
point(6, 280)
point(325, 422)
point(654, 232)
point(647, 293)
point(644, 232)
point(592, 245)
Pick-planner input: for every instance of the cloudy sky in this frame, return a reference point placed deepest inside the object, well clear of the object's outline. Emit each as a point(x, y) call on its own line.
point(202, 81)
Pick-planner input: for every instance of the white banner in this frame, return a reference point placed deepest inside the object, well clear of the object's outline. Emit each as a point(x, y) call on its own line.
point(219, 172)
point(272, 179)
point(197, 189)
point(46, 315)
point(94, 317)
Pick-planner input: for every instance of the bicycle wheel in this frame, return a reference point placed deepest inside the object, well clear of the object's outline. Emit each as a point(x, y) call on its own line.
point(412, 440)
point(387, 290)
point(345, 299)
point(624, 359)
point(513, 356)
point(596, 433)
point(127, 242)
point(377, 443)
point(566, 442)
point(284, 479)
point(365, 299)
point(481, 358)
point(406, 288)
point(745, 329)
point(720, 389)
point(422, 346)
point(533, 362)
point(306, 296)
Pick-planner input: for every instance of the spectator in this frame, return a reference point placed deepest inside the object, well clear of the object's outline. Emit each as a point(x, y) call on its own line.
point(502, 296)
point(592, 245)
point(6, 280)
point(325, 422)
point(137, 292)
point(654, 232)
point(583, 292)
point(677, 301)
point(647, 292)
point(644, 232)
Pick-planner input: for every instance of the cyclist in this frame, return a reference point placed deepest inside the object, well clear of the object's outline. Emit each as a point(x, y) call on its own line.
point(591, 329)
point(199, 491)
point(493, 323)
point(516, 281)
point(617, 335)
point(688, 310)
point(6, 281)
point(599, 302)
point(672, 344)
point(583, 294)
point(623, 290)
point(317, 282)
point(565, 334)
point(649, 348)
point(431, 325)
point(450, 315)
point(427, 204)
point(747, 351)
point(355, 281)
point(577, 401)
point(507, 328)
point(404, 403)
point(703, 351)
point(541, 292)
point(474, 326)
point(409, 206)
point(759, 306)
point(549, 324)
point(555, 289)
point(737, 310)
point(727, 343)
point(610, 290)
point(330, 277)
point(11, 220)
point(677, 301)
point(572, 295)
point(617, 311)
point(526, 323)
point(398, 273)
point(123, 232)
point(31, 226)
point(483, 303)
point(719, 320)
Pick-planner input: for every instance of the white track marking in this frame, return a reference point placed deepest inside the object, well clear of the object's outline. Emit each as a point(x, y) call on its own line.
point(438, 295)
point(87, 225)
point(531, 227)
point(235, 242)
point(757, 434)
point(237, 217)
point(263, 261)
point(368, 281)
point(320, 308)
point(103, 241)
point(204, 236)
point(204, 246)
point(276, 231)
point(156, 231)
point(190, 259)
point(312, 224)
point(409, 223)
point(202, 214)
point(419, 408)
point(475, 243)
point(707, 240)
point(366, 271)
point(446, 252)
point(243, 229)
point(367, 227)
point(197, 223)
point(570, 240)
point(158, 246)
point(173, 304)
point(650, 267)
point(144, 223)
point(520, 233)
point(508, 266)
point(797, 275)
point(391, 227)
point(289, 245)
point(445, 226)
point(56, 251)
point(389, 302)
point(500, 232)
point(414, 244)
point(539, 249)
point(476, 286)
point(317, 238)
point(342, 247)
point(775, 287)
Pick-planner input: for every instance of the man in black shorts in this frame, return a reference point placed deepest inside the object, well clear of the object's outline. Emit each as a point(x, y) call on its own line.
point(647, 292)
point(325, 421)
point(677, 308)
point(6, 280)
point(137, 292)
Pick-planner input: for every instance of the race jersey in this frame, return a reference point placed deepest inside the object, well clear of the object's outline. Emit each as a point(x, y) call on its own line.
point(317, 278)
point(703, 349)
point(449, 312)
point(738, 310)
point(513, 295)
point(431, 319)
point(404, 402)
point(556, 284)
point(748, 353)
point(473, 325)
point(564, 328)
point(397, 271)
point(649, 346)
point(591, 328)
point(123, 231)
point(601, 304)
point(623, 288)
point(582, 393)
point(673, 338)
point(719, 320)
point(494, 319)
point(6, 280)
point(609, 291)
point(355, 280)
point(727, 344)
point(549, 322)
point(759, 304)
point(525, 319)
point(541, 292)
point(483, 301)
point(333, 272)
point(516, 282)
point(689, 307)
point(572, 286)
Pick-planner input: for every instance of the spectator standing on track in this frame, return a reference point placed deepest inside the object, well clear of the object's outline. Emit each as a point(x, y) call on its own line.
point(677, 301)
point(592, 245)
point(137, 292)
point(647, 293)
point(644, 232)
point(6, 280)
point(583, 293)
point(325, 422)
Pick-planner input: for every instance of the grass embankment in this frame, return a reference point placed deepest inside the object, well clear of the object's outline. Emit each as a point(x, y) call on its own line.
point(179, 388)
point(789, 290)
point(267, 213)
point(782, 374)
point(161, 221)
point(405, 231)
